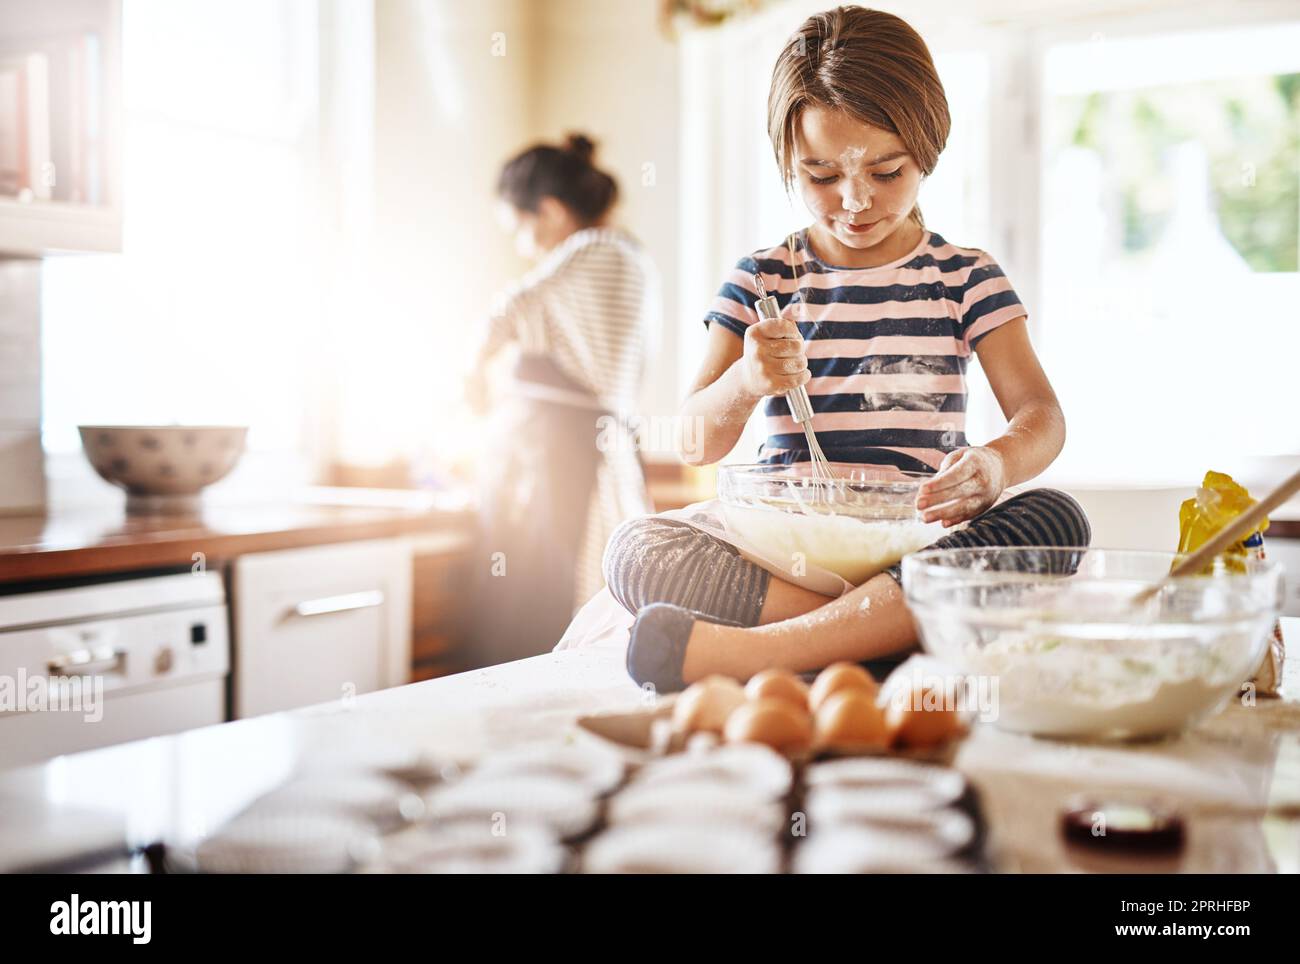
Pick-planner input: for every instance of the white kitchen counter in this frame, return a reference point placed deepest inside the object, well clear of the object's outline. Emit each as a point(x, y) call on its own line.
point(1236, 777)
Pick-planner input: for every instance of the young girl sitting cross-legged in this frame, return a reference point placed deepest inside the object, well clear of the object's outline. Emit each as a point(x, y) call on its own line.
point(879, 318)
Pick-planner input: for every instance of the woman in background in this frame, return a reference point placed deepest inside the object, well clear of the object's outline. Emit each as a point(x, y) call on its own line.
point(565, 470)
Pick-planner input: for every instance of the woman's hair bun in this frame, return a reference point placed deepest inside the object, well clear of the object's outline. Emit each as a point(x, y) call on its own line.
point(581, 146)
point(564, 172)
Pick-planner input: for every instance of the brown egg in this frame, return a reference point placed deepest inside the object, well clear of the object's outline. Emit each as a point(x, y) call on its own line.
point(851, 718)
point(778, 684)
point(772, 722)
point(837, 677)
point(705, 705)
point(921, 718)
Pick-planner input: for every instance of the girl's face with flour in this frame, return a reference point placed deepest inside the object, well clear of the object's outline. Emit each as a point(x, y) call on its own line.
point(860, 184)
point(857, 116)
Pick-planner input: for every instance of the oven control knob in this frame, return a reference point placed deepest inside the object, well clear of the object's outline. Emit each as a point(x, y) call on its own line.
point(163, 660)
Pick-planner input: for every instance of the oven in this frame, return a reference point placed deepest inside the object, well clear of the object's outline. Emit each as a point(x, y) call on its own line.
point(93, 665)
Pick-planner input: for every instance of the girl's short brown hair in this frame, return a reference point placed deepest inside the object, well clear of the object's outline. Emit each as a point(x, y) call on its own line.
point(870, 65)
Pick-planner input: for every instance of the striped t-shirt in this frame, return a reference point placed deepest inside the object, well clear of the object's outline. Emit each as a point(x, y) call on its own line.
point(887, 347)
point(590, 306)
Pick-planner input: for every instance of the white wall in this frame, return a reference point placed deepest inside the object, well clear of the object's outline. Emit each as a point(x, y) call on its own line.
point(605, 68)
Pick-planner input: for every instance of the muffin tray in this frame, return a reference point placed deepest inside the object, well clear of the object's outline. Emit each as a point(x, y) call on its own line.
point(731, 809)
point(798, 833)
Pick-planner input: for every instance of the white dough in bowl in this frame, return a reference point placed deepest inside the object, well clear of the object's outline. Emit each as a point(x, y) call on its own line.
point(853, 548)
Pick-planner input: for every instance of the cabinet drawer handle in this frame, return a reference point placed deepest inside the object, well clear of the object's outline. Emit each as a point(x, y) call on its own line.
point(339, 604)
point(84, 662)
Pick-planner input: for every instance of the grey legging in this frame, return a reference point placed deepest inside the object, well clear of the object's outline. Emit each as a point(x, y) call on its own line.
point(651, 560)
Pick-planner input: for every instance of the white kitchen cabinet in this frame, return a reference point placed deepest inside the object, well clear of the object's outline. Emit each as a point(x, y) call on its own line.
point(60, 126)
point(319, 624)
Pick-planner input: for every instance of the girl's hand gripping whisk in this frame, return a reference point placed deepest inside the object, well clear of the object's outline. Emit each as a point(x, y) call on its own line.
point(781, 330)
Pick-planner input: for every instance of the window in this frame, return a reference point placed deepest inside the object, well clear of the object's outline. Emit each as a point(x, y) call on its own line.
point(210, 313)
point(1170, 217)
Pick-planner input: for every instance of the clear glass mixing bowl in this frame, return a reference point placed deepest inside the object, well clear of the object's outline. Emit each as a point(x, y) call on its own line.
point(1058, 641)
point(855, 524)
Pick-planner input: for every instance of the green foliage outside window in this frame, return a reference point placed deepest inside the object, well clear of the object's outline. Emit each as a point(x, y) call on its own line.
point(1250, 129)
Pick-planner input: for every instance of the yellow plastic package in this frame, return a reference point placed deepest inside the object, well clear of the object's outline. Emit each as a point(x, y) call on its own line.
point(1218, 501)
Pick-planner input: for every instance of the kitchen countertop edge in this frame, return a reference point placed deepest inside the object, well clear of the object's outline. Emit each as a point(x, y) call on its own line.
point(27, 555)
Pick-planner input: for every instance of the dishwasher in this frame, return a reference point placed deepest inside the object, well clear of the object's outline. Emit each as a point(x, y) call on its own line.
point(93, 665)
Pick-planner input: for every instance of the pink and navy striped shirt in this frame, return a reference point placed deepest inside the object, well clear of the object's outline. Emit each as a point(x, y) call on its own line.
point(887, 346)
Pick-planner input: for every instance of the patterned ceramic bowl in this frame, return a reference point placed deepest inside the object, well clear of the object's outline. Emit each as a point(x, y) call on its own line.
point(162, 467)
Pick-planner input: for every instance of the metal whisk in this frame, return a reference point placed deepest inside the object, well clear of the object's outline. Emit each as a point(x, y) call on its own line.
point(800, 406)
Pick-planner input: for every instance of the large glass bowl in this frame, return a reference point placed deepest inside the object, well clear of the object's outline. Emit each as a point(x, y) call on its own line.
point(855, 524)
point(1059, 641)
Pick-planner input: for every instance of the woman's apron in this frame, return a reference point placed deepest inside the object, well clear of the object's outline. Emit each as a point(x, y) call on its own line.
point(539, 498)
